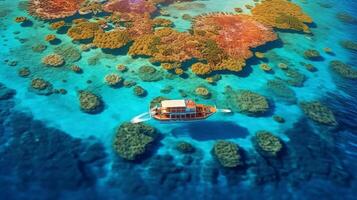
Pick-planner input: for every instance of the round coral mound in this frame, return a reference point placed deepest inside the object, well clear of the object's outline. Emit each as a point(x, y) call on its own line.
point(41, 86)
point(139, 91)
point(130, 6)
point(267, 144)
point(53, 9)
point(113, 80)
point(132, 141)
point(53, 60)
point(203, 92)
point(89, 102)
point(227, 154)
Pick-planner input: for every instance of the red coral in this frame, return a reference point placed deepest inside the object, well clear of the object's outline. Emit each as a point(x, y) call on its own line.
point(235, 34)
point(130, 6)
point(53, 9)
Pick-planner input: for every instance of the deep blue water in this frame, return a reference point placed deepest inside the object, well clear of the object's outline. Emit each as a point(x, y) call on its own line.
point(49, 149)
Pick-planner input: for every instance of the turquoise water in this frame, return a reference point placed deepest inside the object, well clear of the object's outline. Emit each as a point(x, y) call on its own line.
point(118, 179)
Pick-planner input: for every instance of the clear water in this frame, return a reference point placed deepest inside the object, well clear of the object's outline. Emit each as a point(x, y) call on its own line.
point(117, 179)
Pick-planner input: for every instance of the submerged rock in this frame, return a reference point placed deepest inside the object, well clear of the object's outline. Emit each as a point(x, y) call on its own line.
point(267, 144)
point(312, 54)
point(281, 90)
point(246, 101)
point(6, 93)
point(318, 112)
point(132, 141)
point(343, 69)
point(348, 44)
point(149, 74)
point(227, 153)
point(90, 102)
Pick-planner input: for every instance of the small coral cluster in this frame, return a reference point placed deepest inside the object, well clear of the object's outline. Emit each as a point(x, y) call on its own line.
point(343, 69)
point(149, 74)
point(132, 140)
point(246, 101)
point(90, 102)
point(53, 60)
point(41, 86)
point(83, 31)
point(227, 153)
point(185, 147)
point(267, 144)
point(111, 40)
point(318, 112)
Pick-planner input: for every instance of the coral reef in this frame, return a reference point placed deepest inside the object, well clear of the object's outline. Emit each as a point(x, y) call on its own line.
point(281, 90)
point(231, 38)
point(90, 102)
point(161, 22)
point(282, 14)
point(265, 67)
point(278, 119)
point(24, 72)
point(130, 6)
point(21, 19)
point(139, 91)
point(185, 147)
point(53, 9)
point(88, 7)
point(122, 68)
point(346, 18)
point(203, 92)
point(344, 70)
point(246, 101)
point(76, 69)
point(111, 40)
point(113, 80)
point(53, 60)
point(318, 112)
point(312, 54)
point(57, 25)
point(166, 45)
point(39, 48)
point(83, 30)
point(132, 141)
point(149, 74)
point(267, 144)
point(50, 37)
point(41, 86)
point(69, 52)
point(348, 44)
point(296, 78)
point(227, 153)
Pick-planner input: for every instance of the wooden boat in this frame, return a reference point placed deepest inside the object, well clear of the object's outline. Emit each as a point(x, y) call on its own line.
point(181, 110)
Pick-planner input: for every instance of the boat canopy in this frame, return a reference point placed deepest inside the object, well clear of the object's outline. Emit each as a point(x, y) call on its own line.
point(173, 103)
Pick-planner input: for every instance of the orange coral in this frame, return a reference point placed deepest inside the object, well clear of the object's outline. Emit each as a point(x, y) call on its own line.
point(53, 9)
point(235, 34)
point(83, 31)
point(50, 37)
point(57, 25)
point(111, 40)
point(20, 19)
point(282, 14)
point(161, 22)
point(130, 6)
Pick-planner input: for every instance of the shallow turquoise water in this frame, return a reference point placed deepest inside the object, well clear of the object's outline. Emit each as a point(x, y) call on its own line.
point(62, 111)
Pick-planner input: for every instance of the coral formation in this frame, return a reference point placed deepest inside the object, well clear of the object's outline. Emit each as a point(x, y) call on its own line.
point(90, 102)
point(267, 144)
point(203, 92)
point(88, 7)
point(21, 19)
point(265, 67)
point(161, 22)
point(318, 112)
point(139, 91)
point(111, 40)
point(230, 39)
point(41, 86)
point(132, 141)
point(149, 74)
point(39, 48)
point(69, 52)
point(312, 54)
point(344, 70)
point(24, 72)
point(130, 6)
point(296, 78)
point(246, 101)
point(53, 9)
point(58, 25)
point(280, 89)
point(53, 60)
point(282, 14)
point(348, 44)
point(83, 30)
point(185, 147)
point(227, 153)
point(50, 37)
point(166, 45)
point(113, 80)
point(278, 119)
point(76, 69)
